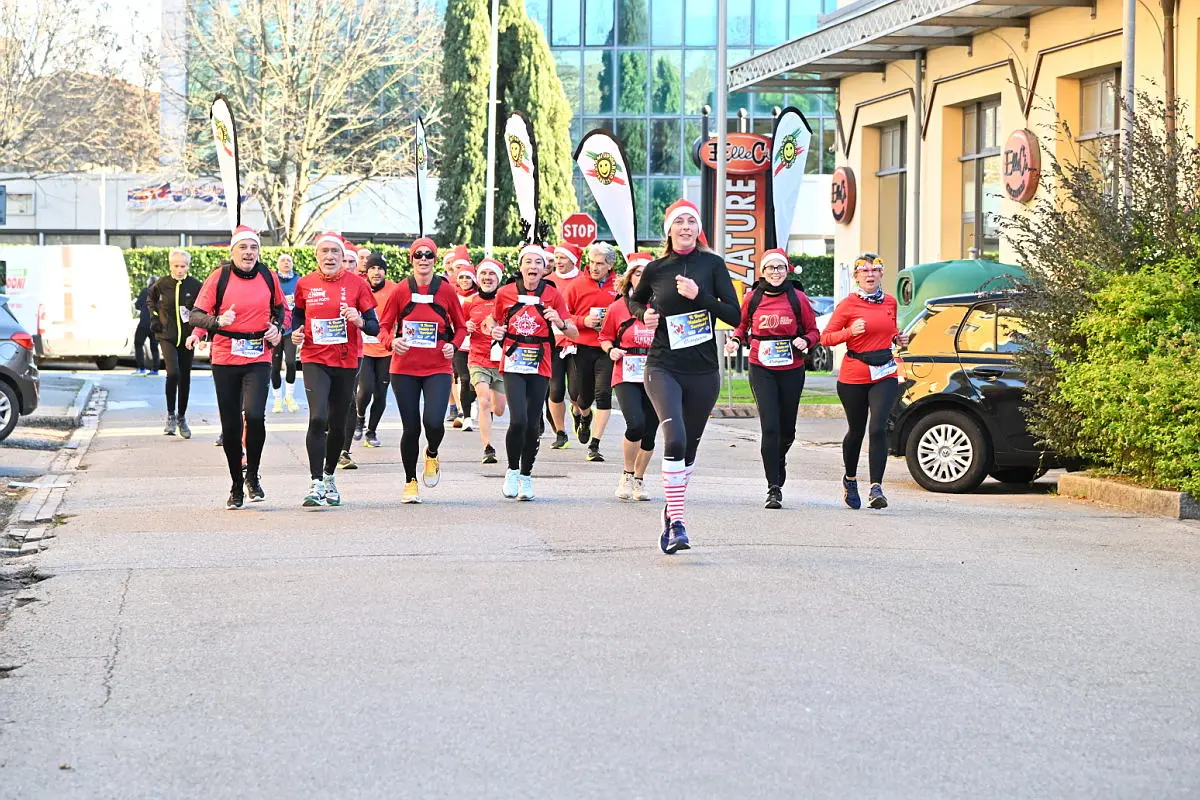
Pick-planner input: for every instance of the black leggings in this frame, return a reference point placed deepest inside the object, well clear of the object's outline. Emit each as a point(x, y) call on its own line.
point(560, 367)
point(283, 357)
point(857, 399)
point(351, 411)
point(466, 392)
point(373, 380)
point(593, 374)
point(683, 403)
point(140, 337)
point(409, 390)
point(242, 390)
point(329, 391)
point(641, 421)
point(526, 394)
point(777, 396)
point(178, 360)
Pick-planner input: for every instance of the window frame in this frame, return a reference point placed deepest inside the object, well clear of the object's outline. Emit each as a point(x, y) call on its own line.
point(976, 156)
point(888, 132)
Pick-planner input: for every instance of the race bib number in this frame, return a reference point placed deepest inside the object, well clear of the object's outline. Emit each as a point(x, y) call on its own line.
point(525, 360)
point(185, 314)
point(633, 369)
point(496, 353)
point(689, 330)
point(247, 348)
point(420, 334)
point(775, 353)
point(289, 300)
point(329, 331)
point(878, 373)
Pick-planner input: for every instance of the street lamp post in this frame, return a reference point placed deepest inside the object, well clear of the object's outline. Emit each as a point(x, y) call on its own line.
point(489, 204)
point(718, 240)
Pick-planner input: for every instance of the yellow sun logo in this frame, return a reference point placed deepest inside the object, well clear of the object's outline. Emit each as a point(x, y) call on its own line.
point(420, 154)
point(516, 151)
point(606, 168)
point(789, 151)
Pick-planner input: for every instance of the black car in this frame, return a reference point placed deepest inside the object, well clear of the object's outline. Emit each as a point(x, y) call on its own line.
point(961, 417)
point(820, 358)
point(19, 381)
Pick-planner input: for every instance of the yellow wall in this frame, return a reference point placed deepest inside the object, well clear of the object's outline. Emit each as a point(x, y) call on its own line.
point(1056, 89)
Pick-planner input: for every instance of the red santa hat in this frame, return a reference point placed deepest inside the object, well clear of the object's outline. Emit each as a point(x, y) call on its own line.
point(425, 242)
point(678, 208)
point(329, 237)
point(775, 256)
point(465, 268)
point(638, 260)
point(350, 249)
point(244, 233)
point(536, 249)
point(572, 252)
point(492, 266)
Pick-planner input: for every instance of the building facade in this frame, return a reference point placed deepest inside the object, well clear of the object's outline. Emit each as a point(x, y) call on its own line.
point(944, 107)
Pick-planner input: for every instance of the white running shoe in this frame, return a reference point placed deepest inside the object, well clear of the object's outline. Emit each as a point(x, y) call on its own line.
point(624, 487)
point(316, 495)
point(639, 490)
point(468, 424)
point(525, 490)
point(332, 496)
point(510, 483)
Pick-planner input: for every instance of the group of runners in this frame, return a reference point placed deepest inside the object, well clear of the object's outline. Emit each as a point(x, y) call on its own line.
point(566, 330)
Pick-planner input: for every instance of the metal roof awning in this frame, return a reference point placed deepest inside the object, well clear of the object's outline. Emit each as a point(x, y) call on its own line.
point(853, 42)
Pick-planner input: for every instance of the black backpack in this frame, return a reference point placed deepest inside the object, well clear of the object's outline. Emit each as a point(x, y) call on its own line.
point(756, 298)
point(435, 286)
point(276, 301)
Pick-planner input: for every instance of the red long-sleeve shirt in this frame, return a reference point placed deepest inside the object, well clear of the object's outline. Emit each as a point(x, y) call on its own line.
point(421, 362)
point(636, 335)
point(881, 330)
point(585, 294)
point(775, 317)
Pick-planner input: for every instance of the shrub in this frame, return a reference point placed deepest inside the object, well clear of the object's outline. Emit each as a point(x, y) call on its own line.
point(1137, 392)
point(816, 275)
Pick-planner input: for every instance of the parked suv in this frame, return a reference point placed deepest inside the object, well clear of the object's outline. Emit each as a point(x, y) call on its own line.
point(961, 417)
point(19, 382)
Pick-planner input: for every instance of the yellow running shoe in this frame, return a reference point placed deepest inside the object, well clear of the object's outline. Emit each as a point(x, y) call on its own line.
point(278, 407)
point(292, 405)
point(433, 471)
point(412, 493)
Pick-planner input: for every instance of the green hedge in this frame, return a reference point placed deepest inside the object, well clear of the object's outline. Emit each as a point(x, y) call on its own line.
point(1137, 390)
point(817, 276)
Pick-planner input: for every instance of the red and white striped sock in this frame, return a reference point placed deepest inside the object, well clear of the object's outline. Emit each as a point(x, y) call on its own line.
point(687, 473)
point(674, 487)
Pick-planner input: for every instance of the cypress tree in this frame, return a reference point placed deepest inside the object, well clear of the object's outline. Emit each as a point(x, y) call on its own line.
point(463, 165)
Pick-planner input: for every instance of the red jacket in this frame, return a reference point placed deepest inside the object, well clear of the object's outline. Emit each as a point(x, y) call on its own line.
point(476, 310)
point(585, 294)
point(425, 325)
point(881, 330)
point(775, 317)
point(637, 335)
point(372, 346)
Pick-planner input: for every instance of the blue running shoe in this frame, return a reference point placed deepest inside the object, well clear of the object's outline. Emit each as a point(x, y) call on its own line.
point(850, 493)
point(875, 498)
point(677, 540)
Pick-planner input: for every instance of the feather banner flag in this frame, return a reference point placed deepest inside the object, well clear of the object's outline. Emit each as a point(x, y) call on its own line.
point(522, 160)
point(601, 159)
point(422, 157)
point(789, 152)
point(225, 136)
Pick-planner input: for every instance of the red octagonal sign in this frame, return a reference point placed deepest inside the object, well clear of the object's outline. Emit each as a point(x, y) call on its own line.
point(579, 229)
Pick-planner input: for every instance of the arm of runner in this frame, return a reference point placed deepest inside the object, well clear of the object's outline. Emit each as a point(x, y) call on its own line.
point(724, 305)
point(387, 318)
point(608, 331)
point(201, 317)
point(639, 300)
point(742, 331)
point(370, 322)
point(808, 323)
point(837, 329)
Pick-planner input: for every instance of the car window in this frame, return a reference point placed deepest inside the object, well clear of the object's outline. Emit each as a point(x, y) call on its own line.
point(1010, 331)
point(978, 331)
point(934, 329)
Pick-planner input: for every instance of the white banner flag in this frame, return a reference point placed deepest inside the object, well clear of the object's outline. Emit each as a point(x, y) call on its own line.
point(789, 152)
point(225, 136)
point(422, 157)
point(601, 159)
point(522, 160)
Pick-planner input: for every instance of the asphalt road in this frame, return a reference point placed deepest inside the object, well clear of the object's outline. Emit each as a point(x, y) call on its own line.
point(993, 645)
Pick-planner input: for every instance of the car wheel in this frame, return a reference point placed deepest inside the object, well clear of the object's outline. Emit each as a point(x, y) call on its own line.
point(1017, 475)
point(947, 451)
point(10, 409)
point(820, 359)
point(106, 362)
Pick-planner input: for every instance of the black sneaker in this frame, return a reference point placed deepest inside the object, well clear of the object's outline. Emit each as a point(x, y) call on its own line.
point(585, 429)
point(489, 455)
point(254, 489)
point(358, 429)
point(774, 497)
point(875, 498)
point(850, 493)
point(575, 415)
point(169, 429)
point(561, 442)
point(345, 461)
point(593, 454)
point(677, 539)
point(236, 497)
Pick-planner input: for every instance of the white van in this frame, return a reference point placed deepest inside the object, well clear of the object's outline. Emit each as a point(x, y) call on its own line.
point(74, 299)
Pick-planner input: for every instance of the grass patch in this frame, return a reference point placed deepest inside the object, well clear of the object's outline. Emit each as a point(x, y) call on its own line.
point(741, 393)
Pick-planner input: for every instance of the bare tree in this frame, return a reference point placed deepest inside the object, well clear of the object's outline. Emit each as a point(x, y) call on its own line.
point(65, 103)
point(325, 94)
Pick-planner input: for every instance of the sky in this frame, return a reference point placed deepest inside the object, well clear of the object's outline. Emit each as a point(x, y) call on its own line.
point(133, 19)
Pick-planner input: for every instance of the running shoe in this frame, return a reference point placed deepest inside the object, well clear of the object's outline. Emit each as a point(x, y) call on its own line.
point(169, 430)
point(875, 498)
point(358, 429)
point(433, 471)
point(254, 489)
point(412, 493)
point(316, 495)
point(561, 442)
point(489, 455)
point(345, 461)
point(292, 405)
point(184, 430)
point(220, 442)
point(665, 538)
point(639, 490)
point(677, 539)
point(524, 487)
point(624, 487)
point(468, 424)
point(593, 454)
point(511, 483)
point(850, 493)
point(277, 408)
point(139, 372)
point(332, 496)
point(774, 497)
point(458, 421)
point(152, 372)
point(373, 440)
point(236, 497)
point(452, 413)
point(585, 429)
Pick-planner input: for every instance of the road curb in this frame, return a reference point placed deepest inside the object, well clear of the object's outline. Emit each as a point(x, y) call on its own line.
point(1152, 502)
point(74, 413)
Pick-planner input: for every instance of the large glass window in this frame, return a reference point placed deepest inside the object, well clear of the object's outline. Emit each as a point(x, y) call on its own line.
point(802, 18)
point(667, 86)
point(770, 22)
point(599, 22)
point(891, 191)
point(1099, 116)
point(539, 10)
point(631, 94)
point(664, 147)
point(691, 134)
point(597, 83)
point(663, 192)
point(741, 27)
point(567, 62)
point(738, 99)
point(701, 80)
point(982, 180)
point(632, 133)
point(700, 24)
point(666, 22)
point(634, 25)
point(565, 22)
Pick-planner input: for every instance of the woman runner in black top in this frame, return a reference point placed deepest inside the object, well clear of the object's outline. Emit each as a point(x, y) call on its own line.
point(678, 296)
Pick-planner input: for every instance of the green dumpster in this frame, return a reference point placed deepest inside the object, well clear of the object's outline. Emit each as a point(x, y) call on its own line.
point(921, 282)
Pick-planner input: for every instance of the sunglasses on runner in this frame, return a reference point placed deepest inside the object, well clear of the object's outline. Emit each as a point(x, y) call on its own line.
point(423, 254)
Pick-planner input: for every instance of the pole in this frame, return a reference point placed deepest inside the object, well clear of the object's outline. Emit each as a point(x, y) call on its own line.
point(718, 238)
point(489, 205)
point(919, 113)
point(103, 210)
point(1127, 68)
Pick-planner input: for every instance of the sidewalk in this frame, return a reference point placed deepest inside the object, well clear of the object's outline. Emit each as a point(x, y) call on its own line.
point(61, 402)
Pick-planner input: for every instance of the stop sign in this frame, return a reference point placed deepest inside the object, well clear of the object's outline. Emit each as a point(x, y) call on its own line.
point(579, 229)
